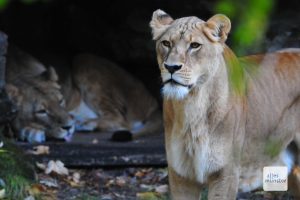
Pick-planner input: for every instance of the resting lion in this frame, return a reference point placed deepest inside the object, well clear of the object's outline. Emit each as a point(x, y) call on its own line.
point(36, 93)
point(215, 136)
point(102, 96)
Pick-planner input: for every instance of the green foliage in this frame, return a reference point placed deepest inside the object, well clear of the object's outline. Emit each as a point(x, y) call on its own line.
point(226, 7)
point(3, 4)
point(16, 187)
point(152, 196)
point(204, 194)
point(236, 73)
point(16, 171)
point(86, 197)
point(250, 18)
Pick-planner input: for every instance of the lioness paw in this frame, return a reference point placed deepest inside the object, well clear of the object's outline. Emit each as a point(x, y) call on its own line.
point(32, 135)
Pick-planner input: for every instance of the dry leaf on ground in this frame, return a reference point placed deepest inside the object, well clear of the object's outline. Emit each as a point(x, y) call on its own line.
point(147, 195)
point(39, 150)
point(49, 182)
point(36, 189)
point(120, 181)
point(76, 177)
point(162, 189)
point(41, 166)
point(56, 167)
point(29, 198)
point(2, 193)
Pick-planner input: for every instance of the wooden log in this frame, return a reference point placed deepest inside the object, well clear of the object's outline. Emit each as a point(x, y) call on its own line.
point(7, 108)
point(82, 152)
point(3, 50)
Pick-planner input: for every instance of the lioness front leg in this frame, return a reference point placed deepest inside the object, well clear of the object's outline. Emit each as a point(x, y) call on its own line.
point(224, 185)
point(182, 188)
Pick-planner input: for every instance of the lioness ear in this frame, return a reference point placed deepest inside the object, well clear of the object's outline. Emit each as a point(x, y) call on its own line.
point(159, 23)
point(217, 28)
point(50, 74)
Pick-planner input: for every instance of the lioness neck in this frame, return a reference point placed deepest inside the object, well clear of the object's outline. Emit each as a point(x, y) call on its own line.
point(191, 122)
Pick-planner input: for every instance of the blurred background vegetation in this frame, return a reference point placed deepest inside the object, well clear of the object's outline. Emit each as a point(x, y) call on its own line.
point(250, 22)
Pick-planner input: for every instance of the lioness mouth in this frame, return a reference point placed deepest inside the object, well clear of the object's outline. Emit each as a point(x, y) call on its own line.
point(172, 81)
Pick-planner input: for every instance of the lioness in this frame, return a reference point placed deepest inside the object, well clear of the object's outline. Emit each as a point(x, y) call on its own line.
point(102, 96)
point(40, 104)
point(214, 136)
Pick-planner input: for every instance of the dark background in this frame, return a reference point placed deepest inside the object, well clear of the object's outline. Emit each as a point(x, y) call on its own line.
point(119, 30)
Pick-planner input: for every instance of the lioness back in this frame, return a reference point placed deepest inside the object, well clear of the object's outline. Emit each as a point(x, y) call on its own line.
point(115, 99)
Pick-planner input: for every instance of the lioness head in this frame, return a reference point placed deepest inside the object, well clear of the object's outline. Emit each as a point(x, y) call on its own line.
point(188, 50)
point(41, 111)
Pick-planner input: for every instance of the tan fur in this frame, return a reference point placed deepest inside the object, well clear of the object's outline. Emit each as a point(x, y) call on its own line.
point(35, 91)
point(113, 100)
point(215, 136)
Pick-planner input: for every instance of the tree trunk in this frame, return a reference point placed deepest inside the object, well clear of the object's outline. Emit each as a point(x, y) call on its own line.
point(7, 108)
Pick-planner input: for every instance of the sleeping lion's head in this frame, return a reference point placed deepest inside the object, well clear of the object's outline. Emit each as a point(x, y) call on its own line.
point(41, 113)
point(188, 50)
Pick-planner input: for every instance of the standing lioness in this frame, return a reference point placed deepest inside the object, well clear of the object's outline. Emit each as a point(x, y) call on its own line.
point(215, 137)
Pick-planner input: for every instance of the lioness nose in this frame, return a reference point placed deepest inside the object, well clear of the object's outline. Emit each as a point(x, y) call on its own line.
point(172, 68)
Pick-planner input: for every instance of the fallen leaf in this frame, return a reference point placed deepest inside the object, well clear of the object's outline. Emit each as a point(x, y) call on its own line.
point(2, 193)
point(139, 174)
point(120, 181)
point(162, 189)
point(147, 196)
point(39, 150)
point(29, 198)
point(119, 196)
point(41, 166)
point(125, 158)
point(110, 183)
point(56, 167)
point(74, 180)
point(49, 182)
point(147, 187)
point(36, 189)
point(106, 196)
point(76, 177)
point(95, 141)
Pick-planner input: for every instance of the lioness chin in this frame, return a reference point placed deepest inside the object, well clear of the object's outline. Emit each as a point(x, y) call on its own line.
point(215, 137)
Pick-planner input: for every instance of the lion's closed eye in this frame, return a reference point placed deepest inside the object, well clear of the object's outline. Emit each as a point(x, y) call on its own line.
point(42, 112)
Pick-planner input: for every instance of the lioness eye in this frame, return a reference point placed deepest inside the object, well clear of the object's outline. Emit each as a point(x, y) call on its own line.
point(195, 45)
point(166, 43)
point(42, 111)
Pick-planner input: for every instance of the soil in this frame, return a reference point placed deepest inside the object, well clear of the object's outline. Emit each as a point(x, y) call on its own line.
point(124, 184)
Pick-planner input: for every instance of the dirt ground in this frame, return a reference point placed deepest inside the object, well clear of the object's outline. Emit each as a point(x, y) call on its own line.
point(120, 184)
point(106, 184)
